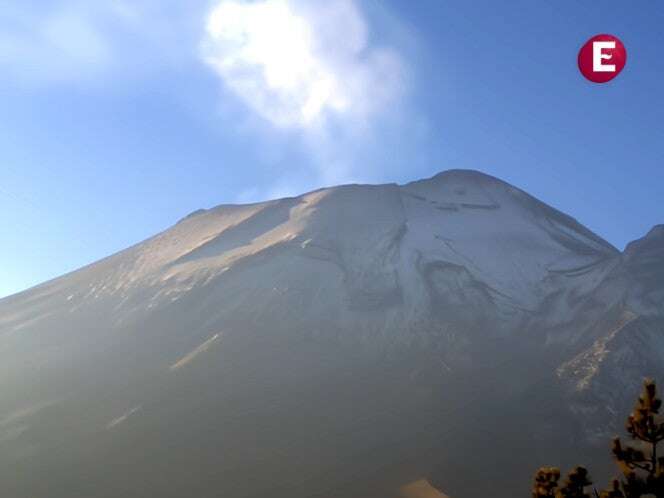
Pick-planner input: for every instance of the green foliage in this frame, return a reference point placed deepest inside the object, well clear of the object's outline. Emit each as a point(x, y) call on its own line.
point(546, 483)
point(642, 470)
point(641, 467)
point(577, 481)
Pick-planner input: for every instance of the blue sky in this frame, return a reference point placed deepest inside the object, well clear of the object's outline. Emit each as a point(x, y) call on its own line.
point(119, 117)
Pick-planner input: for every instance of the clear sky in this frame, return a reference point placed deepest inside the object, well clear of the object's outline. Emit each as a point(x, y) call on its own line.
point(118, 117)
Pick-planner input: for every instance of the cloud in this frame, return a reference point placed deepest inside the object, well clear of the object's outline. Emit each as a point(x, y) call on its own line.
point(315, 70)
point(299, 64)
point(306, 79)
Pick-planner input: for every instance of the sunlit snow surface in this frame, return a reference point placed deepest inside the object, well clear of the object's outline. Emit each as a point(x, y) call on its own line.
point(267, 346)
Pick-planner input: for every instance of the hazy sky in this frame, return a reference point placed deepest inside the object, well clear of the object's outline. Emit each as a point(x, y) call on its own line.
point(118, 117)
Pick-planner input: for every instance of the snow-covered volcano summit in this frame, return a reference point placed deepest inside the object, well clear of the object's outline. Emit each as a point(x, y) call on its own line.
point(281, 339)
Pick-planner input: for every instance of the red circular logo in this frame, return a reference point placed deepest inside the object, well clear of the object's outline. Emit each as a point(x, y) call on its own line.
point(602, 58)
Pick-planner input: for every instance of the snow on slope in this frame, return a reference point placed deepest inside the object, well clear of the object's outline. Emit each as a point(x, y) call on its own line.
point(473, 274)
point(446, 260)
point(500, 236)
point(626, 340)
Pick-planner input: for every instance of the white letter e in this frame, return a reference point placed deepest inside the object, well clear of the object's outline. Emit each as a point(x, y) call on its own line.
point(598, 56)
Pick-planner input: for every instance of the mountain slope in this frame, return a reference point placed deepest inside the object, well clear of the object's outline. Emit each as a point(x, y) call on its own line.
point(344, 340)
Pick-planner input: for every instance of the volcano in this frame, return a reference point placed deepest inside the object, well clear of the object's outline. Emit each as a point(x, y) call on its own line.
point(453, 332)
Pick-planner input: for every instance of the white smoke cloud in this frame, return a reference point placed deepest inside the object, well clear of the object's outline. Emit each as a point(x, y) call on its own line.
point(299, 64)
point(307, 71)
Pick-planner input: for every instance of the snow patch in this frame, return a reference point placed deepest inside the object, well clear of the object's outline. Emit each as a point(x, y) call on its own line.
point(122, 418)
point(193, 354)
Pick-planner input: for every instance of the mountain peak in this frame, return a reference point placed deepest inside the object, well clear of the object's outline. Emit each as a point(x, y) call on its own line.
point(283, 330)
point(471, 175)
point(650, 244)
point(656, 232)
